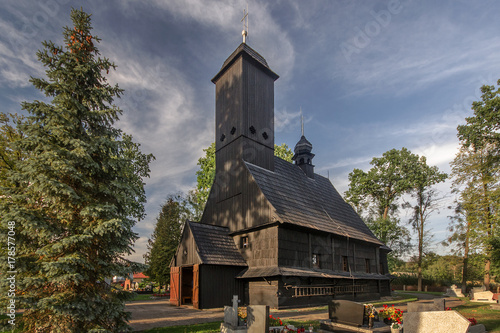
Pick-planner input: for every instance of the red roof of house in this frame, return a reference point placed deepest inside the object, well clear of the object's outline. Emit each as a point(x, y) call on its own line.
point(140, 276)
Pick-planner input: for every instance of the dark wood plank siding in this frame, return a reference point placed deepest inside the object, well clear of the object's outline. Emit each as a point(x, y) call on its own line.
point(218, 285)
point(228, 92)
point(262, 247)
point(258, 97)
point(186, 252)
point(263, 292)
point(288, 299)
point(296, 247)
point(242, 208)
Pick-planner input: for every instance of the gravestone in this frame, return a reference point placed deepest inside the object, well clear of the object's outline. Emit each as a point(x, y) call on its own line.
point(257, 318)
point(454, 291)
point(479, 328)
point(438, 304)
point(230, 316)
point(435, 322)
point(482, 296)
point(346, 312)
point(231, 313)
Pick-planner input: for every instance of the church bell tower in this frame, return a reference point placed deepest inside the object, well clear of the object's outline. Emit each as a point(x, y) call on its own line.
point(244, 111)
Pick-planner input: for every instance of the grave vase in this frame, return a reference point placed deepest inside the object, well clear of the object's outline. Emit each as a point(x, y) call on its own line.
point(397, 330)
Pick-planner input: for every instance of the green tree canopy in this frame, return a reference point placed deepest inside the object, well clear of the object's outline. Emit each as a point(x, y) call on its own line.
point(476, 172)
point(375, 194)
point(9, 153)
point(78, 193)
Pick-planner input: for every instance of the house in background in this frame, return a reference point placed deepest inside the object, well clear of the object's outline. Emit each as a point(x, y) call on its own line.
point(132, 283)
point(272, 232)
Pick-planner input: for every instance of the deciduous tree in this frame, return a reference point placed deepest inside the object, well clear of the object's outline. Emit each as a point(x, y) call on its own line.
point(375, 195)
point(77, 194)
point(423, 177)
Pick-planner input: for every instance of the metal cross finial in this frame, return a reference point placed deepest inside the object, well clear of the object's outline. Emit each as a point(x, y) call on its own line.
point(244, 33)
point(302, 121)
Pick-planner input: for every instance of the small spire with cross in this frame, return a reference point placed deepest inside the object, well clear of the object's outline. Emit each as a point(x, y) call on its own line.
point(302, 121)
point(244, 33)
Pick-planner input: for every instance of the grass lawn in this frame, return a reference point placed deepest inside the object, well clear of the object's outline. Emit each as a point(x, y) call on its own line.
point(214, 327)
point(437, 293)
point(142, 297)
point(483, 314)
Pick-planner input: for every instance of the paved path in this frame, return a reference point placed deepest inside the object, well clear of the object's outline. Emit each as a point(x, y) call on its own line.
point(159, 313)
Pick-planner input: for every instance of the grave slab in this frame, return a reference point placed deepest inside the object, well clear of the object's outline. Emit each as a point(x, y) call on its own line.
point(346, 312)
point(438, 304)
point(479, 328)
point(258, 318)
point(482, 296)
point(435, 321)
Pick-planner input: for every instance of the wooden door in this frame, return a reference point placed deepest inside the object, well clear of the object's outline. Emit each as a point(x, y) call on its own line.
point(175, 290)
point(196, 286)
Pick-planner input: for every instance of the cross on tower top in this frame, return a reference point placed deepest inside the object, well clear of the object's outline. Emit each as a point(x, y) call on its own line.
point(244, 33)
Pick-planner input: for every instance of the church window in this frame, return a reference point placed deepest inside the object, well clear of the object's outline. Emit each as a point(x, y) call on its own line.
point(233, 130)
point(252, 130)
point(315, 260)
point(367, 265)
point(382, 268)
point(265, 136)
point(222, 137)
point(345, 264)
point(244, 242)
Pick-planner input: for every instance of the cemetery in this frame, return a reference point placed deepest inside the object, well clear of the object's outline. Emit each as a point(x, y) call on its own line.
point(348, 316)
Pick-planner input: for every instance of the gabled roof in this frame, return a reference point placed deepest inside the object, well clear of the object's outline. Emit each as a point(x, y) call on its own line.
point(311, 203)
point(215, 246)
point(140, 276)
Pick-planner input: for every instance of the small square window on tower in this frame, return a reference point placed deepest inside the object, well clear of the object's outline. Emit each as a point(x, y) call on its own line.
point(345, 264)
point(367, 265)
point(244, 242)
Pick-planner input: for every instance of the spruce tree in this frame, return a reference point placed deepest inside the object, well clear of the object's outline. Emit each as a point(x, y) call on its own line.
point(77, 194)
point(166, 237)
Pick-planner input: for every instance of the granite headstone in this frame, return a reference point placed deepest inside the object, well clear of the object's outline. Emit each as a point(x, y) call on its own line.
point(346, 312)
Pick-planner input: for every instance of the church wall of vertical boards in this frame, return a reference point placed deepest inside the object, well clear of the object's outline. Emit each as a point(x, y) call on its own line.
point(272, 232)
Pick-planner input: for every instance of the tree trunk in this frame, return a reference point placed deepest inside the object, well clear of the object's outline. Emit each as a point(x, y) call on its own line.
point(466, 262)
point(487, 266)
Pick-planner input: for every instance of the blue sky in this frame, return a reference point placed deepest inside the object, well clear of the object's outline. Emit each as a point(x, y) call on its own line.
point(369, 76)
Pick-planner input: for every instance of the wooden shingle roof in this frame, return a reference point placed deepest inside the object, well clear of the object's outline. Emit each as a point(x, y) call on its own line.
point(311, 203)
point(214, 245)
point(255, 272)
point(245, 50)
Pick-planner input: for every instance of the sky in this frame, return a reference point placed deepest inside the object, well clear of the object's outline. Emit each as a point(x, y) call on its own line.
point(369, 76)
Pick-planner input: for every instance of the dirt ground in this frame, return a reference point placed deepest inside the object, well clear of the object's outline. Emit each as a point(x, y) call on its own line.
point(159, 313)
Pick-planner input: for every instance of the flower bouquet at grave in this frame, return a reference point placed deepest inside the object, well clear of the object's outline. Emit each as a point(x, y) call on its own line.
point(370, 314)
point(275, 321)
point(242, 314)
point(391, 315)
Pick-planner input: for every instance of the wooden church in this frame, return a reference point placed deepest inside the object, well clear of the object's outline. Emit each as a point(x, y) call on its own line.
point(272, 232)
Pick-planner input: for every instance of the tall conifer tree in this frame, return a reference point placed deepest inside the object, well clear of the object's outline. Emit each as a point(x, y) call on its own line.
point(77, 194)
